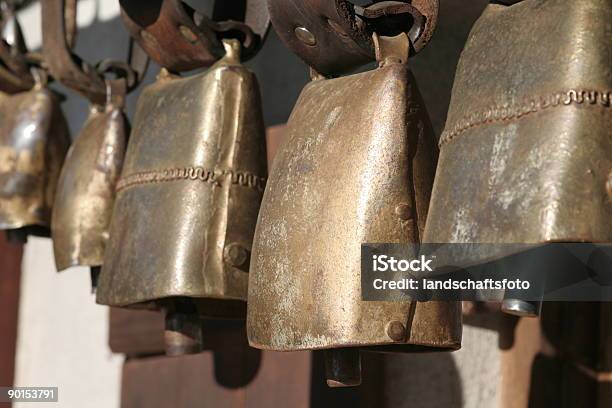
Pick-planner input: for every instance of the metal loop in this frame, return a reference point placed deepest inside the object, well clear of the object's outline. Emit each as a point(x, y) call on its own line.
point(120, 69)
point(180, 39)
point(385, 18)
point(41, 77)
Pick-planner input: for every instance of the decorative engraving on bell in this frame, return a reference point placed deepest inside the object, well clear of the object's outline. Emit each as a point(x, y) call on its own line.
point(86, 189)
point(526, 152)
point(188, 197)
point(356, 166)
point(33, 142)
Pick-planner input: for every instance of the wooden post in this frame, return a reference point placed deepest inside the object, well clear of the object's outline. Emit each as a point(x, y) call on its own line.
point(10, 271)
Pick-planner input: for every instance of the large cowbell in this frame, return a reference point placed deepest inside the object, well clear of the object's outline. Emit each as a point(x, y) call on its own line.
point(526, 155)
point(356, 166)
point(189, 194)
point(86, 189)
point(33, 142)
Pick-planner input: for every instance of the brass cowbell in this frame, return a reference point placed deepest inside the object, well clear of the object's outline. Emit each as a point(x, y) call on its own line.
point(33, 142)
point(526, 155)
point(86, 189)
point(356, 166)
point(187, 200)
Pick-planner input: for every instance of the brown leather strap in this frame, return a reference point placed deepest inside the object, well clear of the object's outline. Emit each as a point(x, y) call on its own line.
point(18, 63)
point(59, 28)
point(334, 37)
point(12, 83)
point(63, 65)
point(13, 51)
point(180, 39)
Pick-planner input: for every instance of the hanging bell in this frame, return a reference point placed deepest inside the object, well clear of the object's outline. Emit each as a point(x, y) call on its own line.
point(33, 142)
point(526, 155)
point(356, 166)
point(86, 189)
point(187, 199)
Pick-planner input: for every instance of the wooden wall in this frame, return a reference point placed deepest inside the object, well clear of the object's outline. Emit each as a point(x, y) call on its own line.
point(10, 268)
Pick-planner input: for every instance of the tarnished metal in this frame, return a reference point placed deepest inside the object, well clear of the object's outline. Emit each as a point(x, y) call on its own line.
point(335, 36)
point(189, 193)
point(33, 142)
point(356, 166)
point(526, 152)
point(179, 38)
point(86, 189)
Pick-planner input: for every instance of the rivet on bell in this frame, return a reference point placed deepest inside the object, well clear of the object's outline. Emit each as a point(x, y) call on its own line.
point(188, 34)
point(235, 254)
point(396, 330)
point(305, 36)
point(404, 211)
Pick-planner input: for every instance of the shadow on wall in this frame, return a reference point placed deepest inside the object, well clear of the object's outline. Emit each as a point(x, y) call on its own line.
point(392, 380)
point(573, 369)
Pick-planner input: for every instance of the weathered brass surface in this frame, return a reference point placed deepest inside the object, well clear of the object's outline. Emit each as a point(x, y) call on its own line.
point(33, 142)
point(189, 193)
point(527, 151)
point(356, 166)
point(86, 189)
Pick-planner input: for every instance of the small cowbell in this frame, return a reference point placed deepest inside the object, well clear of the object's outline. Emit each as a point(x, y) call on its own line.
point(187, 200)
point(33, 142)
point(526, 155)
point(356, 166)
point(86, 189)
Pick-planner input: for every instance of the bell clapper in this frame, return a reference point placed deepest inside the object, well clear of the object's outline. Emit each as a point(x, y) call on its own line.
point(521, 308)
point(94, 273)
point(183, 332)
point(343, 367)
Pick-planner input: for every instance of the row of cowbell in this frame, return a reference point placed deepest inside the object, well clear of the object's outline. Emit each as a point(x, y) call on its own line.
point(169, 221)
point(194, 232)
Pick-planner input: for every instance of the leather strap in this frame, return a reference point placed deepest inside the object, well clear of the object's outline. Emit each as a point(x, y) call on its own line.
point(180, 39)
point(16, 73)
point(59, 29)
point(334, 36)
point(11, 83)
point(12, 53)
point(63, 65)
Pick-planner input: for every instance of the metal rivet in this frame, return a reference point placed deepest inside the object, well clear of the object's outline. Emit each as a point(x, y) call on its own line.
point(396, 330)
point(609, 186)
point(188, 34)
point(236, 254)
point(305, 36)
point(404, 211)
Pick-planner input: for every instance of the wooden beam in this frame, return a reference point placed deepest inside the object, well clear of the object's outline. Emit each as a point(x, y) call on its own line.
point(10, 272)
